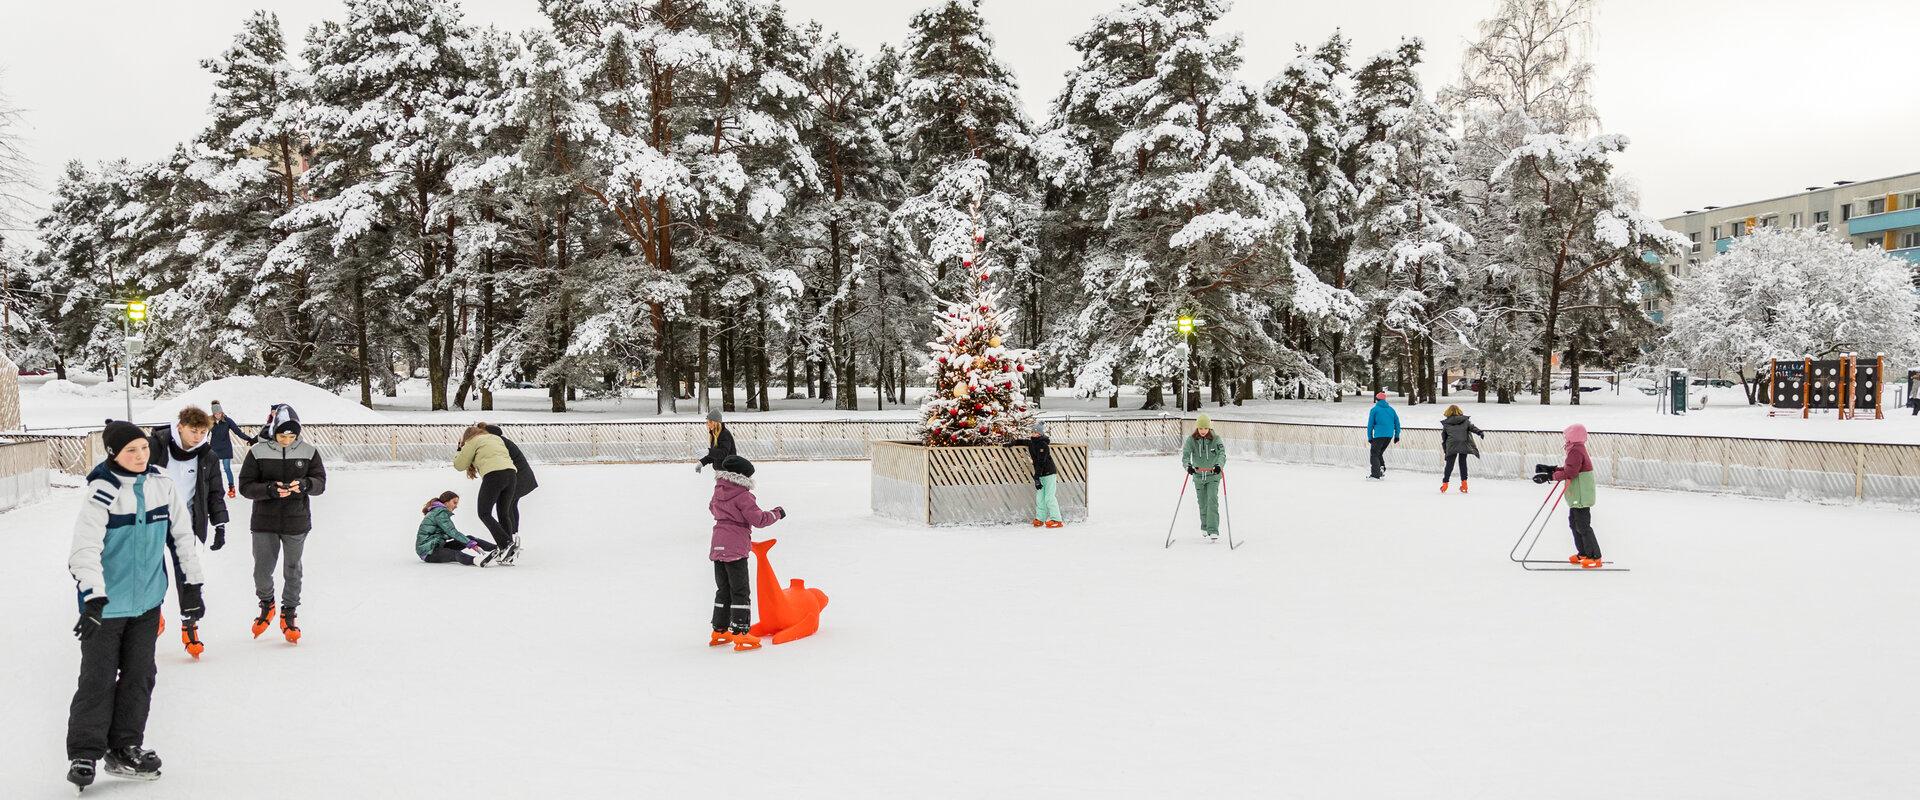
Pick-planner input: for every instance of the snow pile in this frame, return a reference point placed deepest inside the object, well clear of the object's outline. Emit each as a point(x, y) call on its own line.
point(247, 400)
point(66, 388)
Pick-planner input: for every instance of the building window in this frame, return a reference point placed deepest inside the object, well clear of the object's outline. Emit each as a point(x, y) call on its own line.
point(1846, 212)
point(1716, 233)
point(1877, 205)
point(1912, 201)
point(1793, 220)
point(1738, 229)
point(1820, 221)
point(1771, 222)
point(1910, 240)
point(1695, 238)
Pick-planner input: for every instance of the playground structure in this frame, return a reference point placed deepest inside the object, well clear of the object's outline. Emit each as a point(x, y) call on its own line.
point(1849, 385)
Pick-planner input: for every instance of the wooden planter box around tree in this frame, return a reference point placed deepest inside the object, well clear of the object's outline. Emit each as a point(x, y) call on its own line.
point(971, 485)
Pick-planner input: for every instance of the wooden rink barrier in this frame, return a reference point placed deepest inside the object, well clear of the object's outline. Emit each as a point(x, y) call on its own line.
point(981, 485)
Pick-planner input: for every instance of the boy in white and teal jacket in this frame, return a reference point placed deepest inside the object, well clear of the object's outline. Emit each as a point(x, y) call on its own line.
point(127, 526)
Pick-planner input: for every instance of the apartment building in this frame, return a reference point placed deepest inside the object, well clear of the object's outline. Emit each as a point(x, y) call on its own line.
point(1883, 214)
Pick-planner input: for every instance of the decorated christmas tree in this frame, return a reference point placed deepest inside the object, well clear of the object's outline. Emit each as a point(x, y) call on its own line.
point(977, 396)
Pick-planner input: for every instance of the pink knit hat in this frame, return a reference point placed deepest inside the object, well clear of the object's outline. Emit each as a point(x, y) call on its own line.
point(1576, 433)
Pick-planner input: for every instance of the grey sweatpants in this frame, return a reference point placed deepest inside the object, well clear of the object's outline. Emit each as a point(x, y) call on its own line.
point(266, 551)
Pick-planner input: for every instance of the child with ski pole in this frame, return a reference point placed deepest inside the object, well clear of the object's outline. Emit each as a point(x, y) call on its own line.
point(118, 561)
point(437, 541)
point(735, 514)
point(1578, 474)
point(1046, 506)
point(1205, 458)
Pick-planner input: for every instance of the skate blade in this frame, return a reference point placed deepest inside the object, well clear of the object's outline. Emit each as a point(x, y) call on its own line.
point(134, 776)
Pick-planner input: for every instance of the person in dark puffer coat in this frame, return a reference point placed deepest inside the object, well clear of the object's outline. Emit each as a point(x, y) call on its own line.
point(1456, 443)
point(735, 514)
point(279, 476)
point(1046, 505)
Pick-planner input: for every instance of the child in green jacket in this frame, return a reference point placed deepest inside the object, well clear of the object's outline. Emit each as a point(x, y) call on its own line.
point(439, 542)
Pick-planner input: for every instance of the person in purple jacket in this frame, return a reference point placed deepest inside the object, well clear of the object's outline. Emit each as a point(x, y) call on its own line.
point(735, 514)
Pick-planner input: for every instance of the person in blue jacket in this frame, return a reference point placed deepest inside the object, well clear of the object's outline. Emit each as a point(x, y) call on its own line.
point(1383, 428)
point(223, 426)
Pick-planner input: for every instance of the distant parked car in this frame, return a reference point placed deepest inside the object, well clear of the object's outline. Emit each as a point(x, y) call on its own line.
point(521, 385)
point(35, 372)
point(1717, 383)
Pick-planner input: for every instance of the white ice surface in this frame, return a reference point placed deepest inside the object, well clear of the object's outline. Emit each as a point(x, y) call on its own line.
point(1369, 640)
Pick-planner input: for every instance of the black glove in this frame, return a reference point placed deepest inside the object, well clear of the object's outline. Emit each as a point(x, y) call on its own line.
point(1396, 440)
point(700, 466)
point(1544, 469)
point(89, 618)
point(1220, 470)
point(190, 606)
point(219, 536)
point(1037, 485)
point(1542, 477)
point(1189, 470)
point(780, 512)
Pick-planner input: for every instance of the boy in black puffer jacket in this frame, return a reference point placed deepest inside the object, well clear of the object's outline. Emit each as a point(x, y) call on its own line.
point(278, 477)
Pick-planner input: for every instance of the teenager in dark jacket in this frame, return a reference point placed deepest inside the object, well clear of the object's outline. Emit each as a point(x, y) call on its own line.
point(1046, 505)
point(181, 452)
point(126, 526)
point(735, 514)
point(224, 431)
point(437, 541)
point(719, 443)
point(279, 476)
point(1580, 494)
point(281, 412)
point(524, 481)
point(1456, 443)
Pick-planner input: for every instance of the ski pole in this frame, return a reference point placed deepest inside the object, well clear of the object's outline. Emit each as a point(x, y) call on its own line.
point(1227, 501)
point(1176, 510)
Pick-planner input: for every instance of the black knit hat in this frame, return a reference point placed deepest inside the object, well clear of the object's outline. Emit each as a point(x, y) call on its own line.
point(737, 465)
point(118, 435)
point(287, 426)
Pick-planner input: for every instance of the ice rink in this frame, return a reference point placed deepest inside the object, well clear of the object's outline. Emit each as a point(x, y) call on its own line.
point(1368, 640)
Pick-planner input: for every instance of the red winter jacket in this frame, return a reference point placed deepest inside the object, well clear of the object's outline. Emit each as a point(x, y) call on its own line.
point(735, 515)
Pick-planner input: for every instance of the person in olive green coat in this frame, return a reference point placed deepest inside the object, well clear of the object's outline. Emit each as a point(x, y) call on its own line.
point(1205, 458)
point(485, 456)
point(438, 542)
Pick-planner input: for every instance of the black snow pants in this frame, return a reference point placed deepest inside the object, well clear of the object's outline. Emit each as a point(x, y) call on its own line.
point(1377, 459)
point(1584, 542)
point(732, 596)
point(1460, 458)
point(116, 686)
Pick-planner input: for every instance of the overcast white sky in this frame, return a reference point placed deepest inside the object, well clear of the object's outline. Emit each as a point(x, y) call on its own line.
point(1726, 101)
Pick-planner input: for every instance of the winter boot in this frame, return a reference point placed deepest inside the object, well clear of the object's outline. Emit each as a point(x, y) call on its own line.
point(288, 627)
point(506, 555)
point(133, 762)
point(485, 558)
point(1038, 523)
point(80, 774)
point(266, 616)
point(190, 637)
point(1463, 486)
point(719, 638)
point(1443, 487)
point(743, 640)
point(1054, 523)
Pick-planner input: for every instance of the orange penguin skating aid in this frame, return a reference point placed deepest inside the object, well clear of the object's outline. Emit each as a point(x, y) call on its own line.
point(785, 614)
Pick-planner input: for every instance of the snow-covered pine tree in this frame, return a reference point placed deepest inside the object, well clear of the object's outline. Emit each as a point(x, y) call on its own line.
point(1408, 251)
point(1311, 92)
point(1579, 237)
point(392, 87)
point(966, 149)
point(246, 168)
point(1790, 294)
point(76, 273)
point(1201, 209)
point(977, 393)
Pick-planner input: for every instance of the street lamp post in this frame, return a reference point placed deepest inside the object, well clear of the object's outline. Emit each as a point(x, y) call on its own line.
point(1187, 326)
point(136, 313)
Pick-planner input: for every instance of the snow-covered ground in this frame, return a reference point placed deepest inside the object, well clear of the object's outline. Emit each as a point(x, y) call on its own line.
point(1369, 640)
point(1627, 411)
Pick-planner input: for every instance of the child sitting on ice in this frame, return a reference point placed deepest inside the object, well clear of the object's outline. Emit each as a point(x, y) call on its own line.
point(1046, 505)
point(735, 514)
point(439, 542)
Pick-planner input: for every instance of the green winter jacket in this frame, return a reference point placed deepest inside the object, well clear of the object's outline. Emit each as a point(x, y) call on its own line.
point(1208, 453)
point(436, 529)
point(484, 453)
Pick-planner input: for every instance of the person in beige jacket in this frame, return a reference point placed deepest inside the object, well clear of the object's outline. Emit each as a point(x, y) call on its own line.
point(484, 455)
